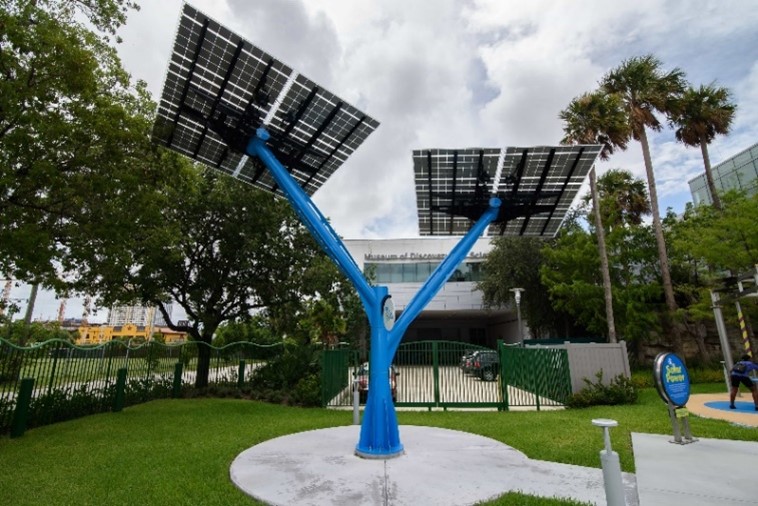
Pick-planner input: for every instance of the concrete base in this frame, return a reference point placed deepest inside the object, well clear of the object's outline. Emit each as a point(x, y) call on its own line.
point(440, 467)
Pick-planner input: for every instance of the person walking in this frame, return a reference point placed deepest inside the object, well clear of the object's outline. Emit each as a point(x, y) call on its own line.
point(740, 373)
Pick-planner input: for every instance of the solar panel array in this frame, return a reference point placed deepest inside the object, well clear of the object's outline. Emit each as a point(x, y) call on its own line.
point(537, 186)
point(220, 88)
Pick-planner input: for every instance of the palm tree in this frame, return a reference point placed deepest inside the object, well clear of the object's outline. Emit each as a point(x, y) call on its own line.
point(623, 199)
point(598, 118)
point(645, 89)
point(698, 116)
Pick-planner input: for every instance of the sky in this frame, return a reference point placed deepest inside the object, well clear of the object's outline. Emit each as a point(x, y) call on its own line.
point(467, 73)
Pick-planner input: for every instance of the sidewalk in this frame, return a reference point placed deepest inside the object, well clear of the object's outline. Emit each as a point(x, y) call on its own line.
point(704, 473)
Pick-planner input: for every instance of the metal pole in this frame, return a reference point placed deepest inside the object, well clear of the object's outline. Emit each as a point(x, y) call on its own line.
point(379, 429)
point(726, 350)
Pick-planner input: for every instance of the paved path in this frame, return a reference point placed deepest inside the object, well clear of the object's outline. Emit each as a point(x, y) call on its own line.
point(704, 473)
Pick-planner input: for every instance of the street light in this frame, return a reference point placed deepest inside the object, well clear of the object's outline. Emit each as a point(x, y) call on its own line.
point(517, 296)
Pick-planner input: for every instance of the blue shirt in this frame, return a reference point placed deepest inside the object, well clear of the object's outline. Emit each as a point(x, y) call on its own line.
point(747, 365)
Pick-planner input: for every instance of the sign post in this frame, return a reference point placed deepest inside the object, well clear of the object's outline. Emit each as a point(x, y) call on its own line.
point(673, 383)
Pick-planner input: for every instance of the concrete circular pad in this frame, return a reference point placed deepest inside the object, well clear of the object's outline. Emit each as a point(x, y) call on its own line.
point(440, 466)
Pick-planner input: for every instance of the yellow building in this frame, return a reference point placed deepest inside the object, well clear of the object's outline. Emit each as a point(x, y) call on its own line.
point(99, 334)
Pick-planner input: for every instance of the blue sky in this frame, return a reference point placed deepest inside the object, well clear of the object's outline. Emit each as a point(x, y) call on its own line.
point(476, 73)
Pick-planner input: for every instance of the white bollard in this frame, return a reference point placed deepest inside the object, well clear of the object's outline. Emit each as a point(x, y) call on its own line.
point(614, 485)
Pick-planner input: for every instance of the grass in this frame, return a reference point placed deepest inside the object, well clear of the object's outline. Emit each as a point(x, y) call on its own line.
point(179, 451)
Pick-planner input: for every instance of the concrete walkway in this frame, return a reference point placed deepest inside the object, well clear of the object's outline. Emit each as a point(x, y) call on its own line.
point(704, 473)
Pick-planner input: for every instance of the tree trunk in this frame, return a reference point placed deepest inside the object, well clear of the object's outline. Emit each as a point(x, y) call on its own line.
point(203, 364)
point(709, 175)
point(668, 288)
point(607, 293)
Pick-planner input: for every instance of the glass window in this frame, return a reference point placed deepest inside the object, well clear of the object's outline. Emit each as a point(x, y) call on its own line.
point(409, 273)
point(423, 271)
point(396, 273)
point(747, 174)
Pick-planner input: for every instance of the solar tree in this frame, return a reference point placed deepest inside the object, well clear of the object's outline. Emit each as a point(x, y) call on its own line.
point(235, 108)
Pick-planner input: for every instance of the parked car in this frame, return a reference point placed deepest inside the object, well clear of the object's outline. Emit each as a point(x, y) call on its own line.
point(486, 365)
point(362, 376)
point(466, 361)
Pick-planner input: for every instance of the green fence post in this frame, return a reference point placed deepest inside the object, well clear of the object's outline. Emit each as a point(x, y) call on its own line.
point(241, 374)
point(536, 376)
point(18, 425)
point(436, 372)
point(118, 401)
point(55, 366)
point(177, 386)
point(504, 380)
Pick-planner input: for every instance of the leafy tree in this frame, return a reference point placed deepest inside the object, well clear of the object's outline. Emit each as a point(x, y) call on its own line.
point(698, 116)
point(217, 247)
point(72, 129)
point(726, 240)
point(571, 273)
point(706, 245)
point(36, 332)
point(516, 261)
point(256, 330)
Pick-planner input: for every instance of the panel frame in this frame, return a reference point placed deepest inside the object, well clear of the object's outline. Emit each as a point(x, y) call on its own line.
point(220, 88)
point(537, 186)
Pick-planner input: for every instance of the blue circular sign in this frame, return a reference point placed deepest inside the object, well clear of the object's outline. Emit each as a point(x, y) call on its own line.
point(672, 379)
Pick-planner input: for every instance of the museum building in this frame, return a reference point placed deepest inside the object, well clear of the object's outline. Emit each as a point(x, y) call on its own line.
point(457, 312)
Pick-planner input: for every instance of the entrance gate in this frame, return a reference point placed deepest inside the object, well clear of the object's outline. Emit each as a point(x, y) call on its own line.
point(431, 374)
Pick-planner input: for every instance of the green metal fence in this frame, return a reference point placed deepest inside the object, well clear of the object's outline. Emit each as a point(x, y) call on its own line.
point(430, 374)
point(69, 381)
point(535, 376)
point(337, 367)
point(434, 374)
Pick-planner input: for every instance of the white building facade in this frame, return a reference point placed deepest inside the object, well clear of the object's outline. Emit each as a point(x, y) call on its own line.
point(457, 312)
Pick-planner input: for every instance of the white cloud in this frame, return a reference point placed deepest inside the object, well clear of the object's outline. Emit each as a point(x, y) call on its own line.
point(464, 73)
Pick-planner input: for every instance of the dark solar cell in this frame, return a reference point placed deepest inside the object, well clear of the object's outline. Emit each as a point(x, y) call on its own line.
point(219, 88)
point(536, 186)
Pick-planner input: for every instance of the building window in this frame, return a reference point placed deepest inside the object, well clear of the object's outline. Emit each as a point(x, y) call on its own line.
point(419, 272)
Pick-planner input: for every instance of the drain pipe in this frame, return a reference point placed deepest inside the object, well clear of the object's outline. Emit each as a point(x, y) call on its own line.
point(614, 486)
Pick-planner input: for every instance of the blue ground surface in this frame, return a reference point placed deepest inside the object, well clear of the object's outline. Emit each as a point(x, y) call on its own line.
point(742, 407)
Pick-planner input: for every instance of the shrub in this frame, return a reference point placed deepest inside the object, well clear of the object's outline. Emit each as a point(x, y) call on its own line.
point(307, 392)
point(620, 390)
point(291, 378)
point(643, 378)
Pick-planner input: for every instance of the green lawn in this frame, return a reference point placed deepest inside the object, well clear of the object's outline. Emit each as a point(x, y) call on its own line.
point(179, 451)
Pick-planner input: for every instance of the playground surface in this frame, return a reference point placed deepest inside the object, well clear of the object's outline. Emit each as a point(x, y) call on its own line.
point(717, 406)
point(446, 467)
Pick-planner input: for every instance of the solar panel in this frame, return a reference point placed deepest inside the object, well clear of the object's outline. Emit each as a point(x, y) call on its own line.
point(220, 88)
point(536, 185)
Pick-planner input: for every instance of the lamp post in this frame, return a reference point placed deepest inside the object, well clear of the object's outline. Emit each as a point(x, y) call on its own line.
point(517, 296)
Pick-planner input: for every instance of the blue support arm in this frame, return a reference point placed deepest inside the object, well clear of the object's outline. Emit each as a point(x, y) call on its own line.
point(310, 215)
point(440, 275)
